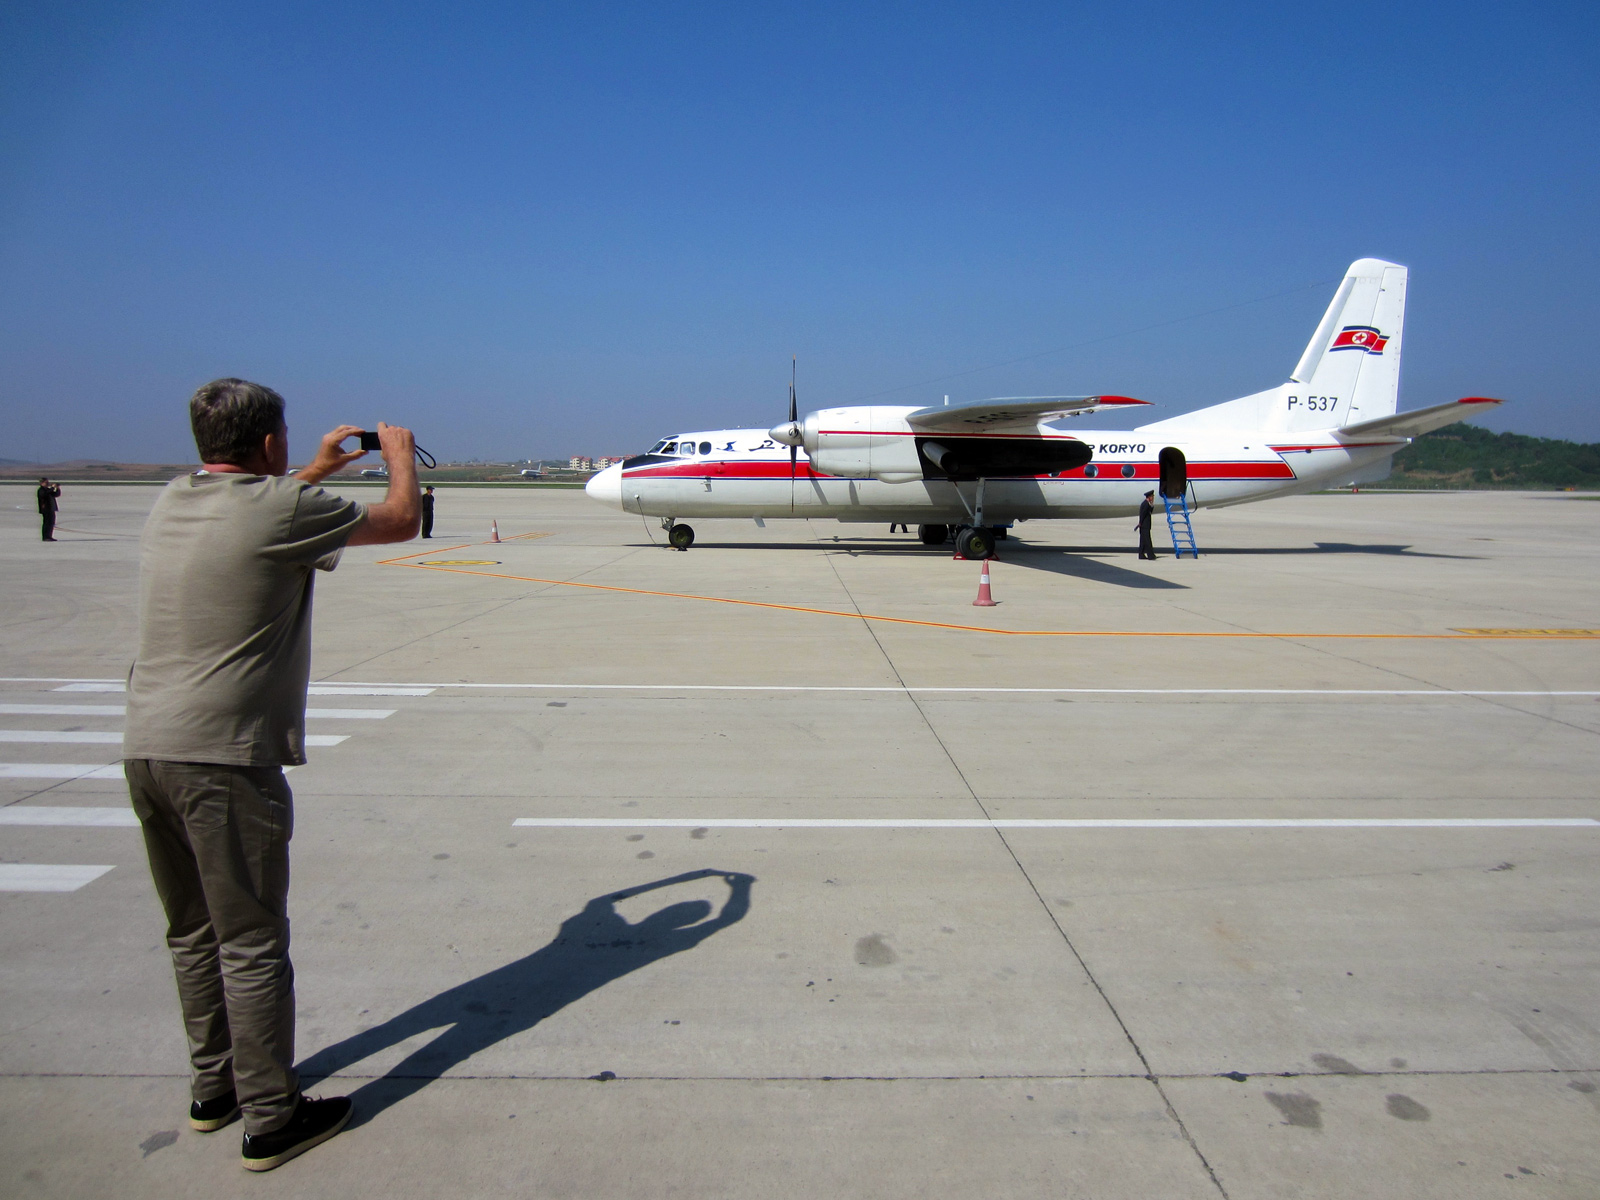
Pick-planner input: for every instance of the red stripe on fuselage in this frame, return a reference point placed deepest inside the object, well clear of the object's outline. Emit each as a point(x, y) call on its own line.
point(725, 469)
point(1107, 472)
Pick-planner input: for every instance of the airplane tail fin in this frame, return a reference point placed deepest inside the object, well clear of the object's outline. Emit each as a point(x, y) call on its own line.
point(1350, 371)
point(1354, 357)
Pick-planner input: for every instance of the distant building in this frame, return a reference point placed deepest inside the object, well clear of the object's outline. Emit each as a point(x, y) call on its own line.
point(579, 463)
point(600, 464)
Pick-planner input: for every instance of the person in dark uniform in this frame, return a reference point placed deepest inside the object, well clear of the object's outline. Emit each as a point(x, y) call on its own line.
point(1147, 508)
point(427, 512)
point(49, 493)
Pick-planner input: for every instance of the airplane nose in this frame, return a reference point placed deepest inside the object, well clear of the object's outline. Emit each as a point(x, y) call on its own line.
point(606, 486)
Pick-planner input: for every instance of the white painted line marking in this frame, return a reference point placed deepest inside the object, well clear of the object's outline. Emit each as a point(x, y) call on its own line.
point(39, 877)
point(339, 689)
point(1056, 823)
point(70, 771)
point(326, 739)
point(92, 687)
point(116, 710)
point(44, 814)
point(62, 710)
point(51, 735)
point(1443, 693)
point(60, 771)
point(425, 688)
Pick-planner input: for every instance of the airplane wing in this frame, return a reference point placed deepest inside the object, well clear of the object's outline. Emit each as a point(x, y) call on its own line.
point(1003, 411)
point(1420, 421)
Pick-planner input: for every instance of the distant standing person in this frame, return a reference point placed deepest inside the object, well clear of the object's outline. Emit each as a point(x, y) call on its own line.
point(1147, 509)
point(49, 493)
point(427, 512)
point(216, 710)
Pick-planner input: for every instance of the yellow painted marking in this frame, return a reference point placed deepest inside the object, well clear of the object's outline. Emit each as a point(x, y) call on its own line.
point(1455, 636)
point(459, 562)
point(1533, 633)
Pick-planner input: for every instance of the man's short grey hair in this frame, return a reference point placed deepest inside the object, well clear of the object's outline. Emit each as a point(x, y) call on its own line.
point(231, 418)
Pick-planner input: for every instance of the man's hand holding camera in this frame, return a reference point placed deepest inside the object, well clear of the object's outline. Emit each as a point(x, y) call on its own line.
point(394, 442)
point(331, 455)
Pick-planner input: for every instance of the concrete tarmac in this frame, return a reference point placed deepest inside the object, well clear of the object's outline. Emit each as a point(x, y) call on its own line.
point(806, 1005)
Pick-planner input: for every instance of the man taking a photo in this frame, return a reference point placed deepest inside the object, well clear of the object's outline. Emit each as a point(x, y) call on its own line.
point(216, 710)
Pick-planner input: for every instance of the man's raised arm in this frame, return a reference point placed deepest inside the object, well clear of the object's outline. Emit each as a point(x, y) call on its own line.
point(399, 516)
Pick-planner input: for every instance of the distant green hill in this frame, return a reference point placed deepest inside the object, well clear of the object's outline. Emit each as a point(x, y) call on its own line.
point(1467, 456)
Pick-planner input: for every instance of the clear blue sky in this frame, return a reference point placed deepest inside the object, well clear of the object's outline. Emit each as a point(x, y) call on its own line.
point(535, 230)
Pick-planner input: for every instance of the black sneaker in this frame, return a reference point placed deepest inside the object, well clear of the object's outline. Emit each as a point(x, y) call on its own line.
point(209, 1115)
point(314, 1122)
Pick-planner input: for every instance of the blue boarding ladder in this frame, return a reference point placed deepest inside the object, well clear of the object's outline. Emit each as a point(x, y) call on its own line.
point(1179, 526)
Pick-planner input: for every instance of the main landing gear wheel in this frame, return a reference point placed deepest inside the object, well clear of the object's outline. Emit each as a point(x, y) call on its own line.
point(680, 537)
point(933, 535)
point(975, 543)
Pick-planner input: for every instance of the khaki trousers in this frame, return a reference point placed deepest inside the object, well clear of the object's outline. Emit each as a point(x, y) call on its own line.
point(218, 841)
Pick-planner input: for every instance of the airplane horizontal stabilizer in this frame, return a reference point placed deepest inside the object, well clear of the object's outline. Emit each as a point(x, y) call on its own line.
point(1420, 421)
point(1001, 411)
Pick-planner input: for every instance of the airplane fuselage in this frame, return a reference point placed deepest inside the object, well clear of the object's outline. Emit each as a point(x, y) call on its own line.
point(744, 473)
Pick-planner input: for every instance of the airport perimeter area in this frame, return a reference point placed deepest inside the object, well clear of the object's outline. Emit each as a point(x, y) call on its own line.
point(1267, 875)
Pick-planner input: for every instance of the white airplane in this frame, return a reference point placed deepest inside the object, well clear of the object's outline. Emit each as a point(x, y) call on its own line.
point(973, 469)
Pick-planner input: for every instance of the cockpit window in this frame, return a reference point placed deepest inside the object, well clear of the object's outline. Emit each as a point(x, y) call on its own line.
point(658, 447)
point(705, 447)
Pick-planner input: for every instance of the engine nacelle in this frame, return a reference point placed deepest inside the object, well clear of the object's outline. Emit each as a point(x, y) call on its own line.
point(866, 442)
point(862, 442)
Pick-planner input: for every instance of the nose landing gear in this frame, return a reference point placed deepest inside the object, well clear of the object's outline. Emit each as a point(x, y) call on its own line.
point(679, 536)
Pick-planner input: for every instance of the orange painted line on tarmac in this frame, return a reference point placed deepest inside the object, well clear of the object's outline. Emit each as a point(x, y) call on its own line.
point(401, 561)
point(1078, 633)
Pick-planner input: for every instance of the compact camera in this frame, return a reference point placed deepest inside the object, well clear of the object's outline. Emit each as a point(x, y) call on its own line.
point(369, 441)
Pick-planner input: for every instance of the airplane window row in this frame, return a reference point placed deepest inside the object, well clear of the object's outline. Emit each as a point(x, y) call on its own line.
point(1092, 471)
point(666, 447)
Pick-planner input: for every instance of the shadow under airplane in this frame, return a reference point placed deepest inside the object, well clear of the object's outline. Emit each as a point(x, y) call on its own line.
point(592, 948)
point(1096, 570)
point(869, 546)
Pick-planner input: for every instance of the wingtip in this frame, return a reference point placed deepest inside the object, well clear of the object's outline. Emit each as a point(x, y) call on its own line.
point(1121, 400)
point(1479, 400)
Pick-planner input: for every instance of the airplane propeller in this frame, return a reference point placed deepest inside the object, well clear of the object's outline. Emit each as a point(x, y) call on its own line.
point(794, 413)
point(790, 434)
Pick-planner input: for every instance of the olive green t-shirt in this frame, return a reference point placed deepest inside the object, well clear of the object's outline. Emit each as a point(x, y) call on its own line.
point(225, 582)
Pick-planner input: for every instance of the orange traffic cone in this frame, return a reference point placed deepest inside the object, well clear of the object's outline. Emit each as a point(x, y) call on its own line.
point(494, 531)
point(985, 599)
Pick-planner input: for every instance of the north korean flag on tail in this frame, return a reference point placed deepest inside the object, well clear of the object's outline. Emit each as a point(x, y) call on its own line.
point(1360, 337)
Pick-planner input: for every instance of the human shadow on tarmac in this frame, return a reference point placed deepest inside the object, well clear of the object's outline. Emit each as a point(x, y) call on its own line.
point(1008, 551)
point(592, 948)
